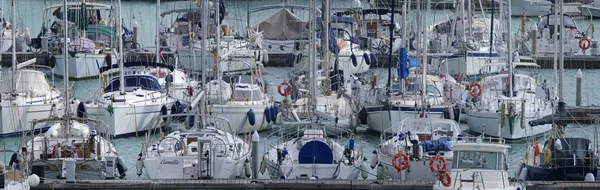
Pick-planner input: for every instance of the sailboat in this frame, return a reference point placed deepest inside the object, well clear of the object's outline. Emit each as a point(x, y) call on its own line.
point(309, 152)
point(91, 43)
point(74, 148)
point(503, 104)
point(560, 158)
point(129, 102)
point(180, 38)
point(199, 148)
point(411, 149)
point(25, 95)
point(411, 95)
point(235, 97)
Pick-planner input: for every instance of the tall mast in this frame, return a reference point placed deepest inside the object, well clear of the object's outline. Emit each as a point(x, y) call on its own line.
point(14, 53)
point(120, 62)
point(157, 51)
point(509, 48)
point(492, 28)
point(424, 61)
point(325, 43)
point(561, 66)
point(65, 54)
point(313, 57)
point(218, 39)
point(14, 49)
point(389, 81)
point(203, 64)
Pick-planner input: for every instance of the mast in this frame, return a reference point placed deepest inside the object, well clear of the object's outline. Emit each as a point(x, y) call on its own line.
point(492, 29)
point(157, 51)
point(313, 58)
point(509, 48)
point(120, 62)
point(424, 61)
point(218, 39)
point(65, 52)
point(203, 63)
point(14, 49)
point(325, 43)
point(389, 81)
point(561, 65)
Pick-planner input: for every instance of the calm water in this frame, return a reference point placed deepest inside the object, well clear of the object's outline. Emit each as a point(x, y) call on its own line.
point(30, 12)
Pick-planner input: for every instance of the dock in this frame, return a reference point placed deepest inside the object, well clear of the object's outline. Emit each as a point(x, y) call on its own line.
point(581, 114)
point(43, 59)
point(571, 62)
point(283, 184)
point(286, 184)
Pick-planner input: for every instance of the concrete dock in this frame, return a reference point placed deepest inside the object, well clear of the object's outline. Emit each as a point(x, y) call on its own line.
point(571, 62)
point(283, 184)
point(236, 184)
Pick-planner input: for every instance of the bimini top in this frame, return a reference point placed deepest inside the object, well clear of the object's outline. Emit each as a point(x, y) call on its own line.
point(548, 20)
point(25, 80)
point(145, 82)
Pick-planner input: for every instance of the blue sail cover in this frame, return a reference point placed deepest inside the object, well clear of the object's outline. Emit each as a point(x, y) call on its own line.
point(436, 145)
point(405, 63)
point(145, 82)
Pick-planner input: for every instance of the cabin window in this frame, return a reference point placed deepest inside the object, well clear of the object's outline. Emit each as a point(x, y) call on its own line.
point(479, 160)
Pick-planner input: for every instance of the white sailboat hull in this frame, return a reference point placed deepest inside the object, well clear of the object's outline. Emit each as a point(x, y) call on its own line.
point(183, 167)
point(237, 116)
point(477, 120)
point(82, 65)
point(17, 119)
point(379, 120)
point(127, 119)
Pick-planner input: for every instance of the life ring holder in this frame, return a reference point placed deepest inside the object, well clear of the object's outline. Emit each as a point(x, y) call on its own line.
point(445, 179)
point(472, 86)
point(401, 166)
point(440, 168)
point(584, 43)
point(284, 92)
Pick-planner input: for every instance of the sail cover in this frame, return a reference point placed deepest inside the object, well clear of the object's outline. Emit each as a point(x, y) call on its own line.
point(283, 25)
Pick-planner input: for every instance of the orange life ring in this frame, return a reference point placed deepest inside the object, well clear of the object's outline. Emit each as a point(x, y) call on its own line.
point(284, 92)
point(401, 166)
point(536, 149)
point(443, 166)
point(473, 85)
point(445, 179)
point(586, 45)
